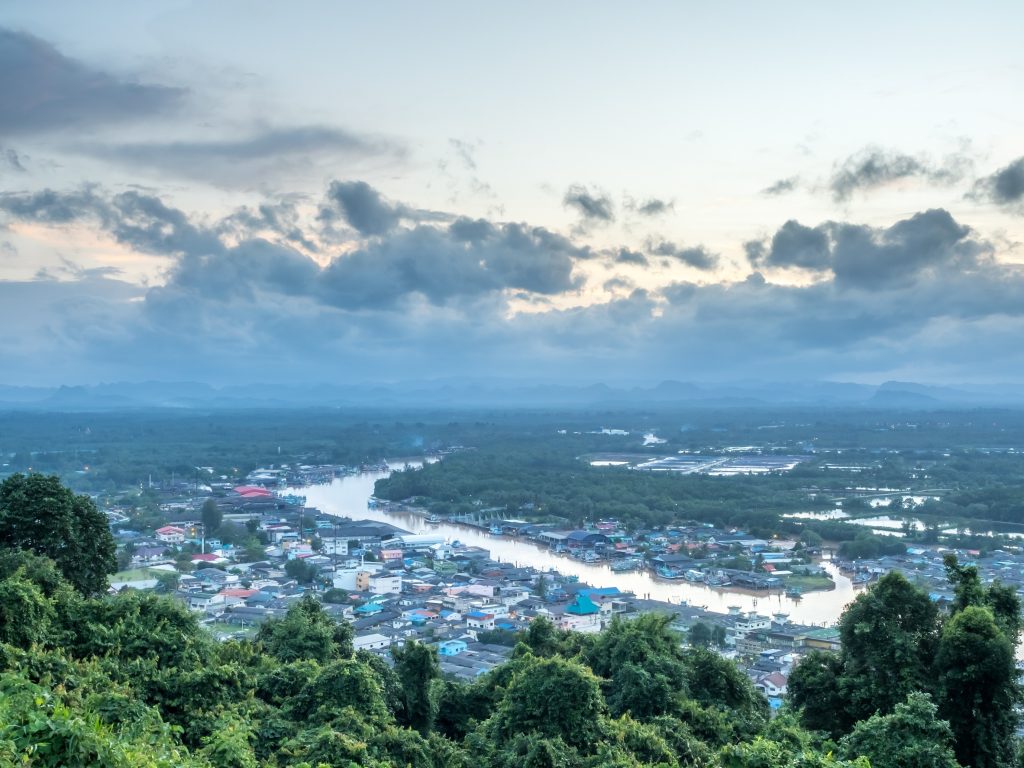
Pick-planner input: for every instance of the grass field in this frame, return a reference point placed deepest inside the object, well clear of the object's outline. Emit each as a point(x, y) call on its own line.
point(136, 574)
point(809, 583)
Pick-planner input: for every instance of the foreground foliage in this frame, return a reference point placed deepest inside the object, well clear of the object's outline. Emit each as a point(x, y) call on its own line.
point(133, 680)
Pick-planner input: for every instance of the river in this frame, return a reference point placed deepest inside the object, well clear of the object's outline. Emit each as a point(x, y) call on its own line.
point(348, 496)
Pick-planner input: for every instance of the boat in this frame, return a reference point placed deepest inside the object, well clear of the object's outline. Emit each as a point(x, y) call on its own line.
point(694, 575)
point(666, 573)
point(495, 530)
point(794, 592)
point(433, 519)
point(621, 566)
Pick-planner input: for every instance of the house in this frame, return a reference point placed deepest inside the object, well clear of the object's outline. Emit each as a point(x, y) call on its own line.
point(208, 602)
point(215, 577)
point(479, 620)
point(149, 554)
point(824, 639)
point(171, 534)
point(773, 685)
point(584, 615)
point(371, 642)
point(209, 558)
point(451, 647)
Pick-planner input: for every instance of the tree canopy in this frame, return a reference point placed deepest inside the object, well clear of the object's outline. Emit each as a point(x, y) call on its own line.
point(40, 515)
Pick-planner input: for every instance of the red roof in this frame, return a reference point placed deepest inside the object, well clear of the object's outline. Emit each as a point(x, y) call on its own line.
point(206, 558)
point(243, 593)
point(170, 529)
point(252, 490)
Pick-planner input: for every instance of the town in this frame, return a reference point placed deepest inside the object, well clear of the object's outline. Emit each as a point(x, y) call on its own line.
point(238, 555)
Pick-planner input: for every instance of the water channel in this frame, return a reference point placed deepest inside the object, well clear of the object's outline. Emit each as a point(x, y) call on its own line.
point(348, 496)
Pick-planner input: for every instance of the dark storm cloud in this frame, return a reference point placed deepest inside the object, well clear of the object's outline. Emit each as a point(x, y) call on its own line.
point(865, 257)
point(50, 207)
point(146, 223)
point(363, 208)
point(781, 187)
point(628, 256)
point(650, 207)
point(795, 245)
point(250, 160)
point(437, 298)
point(471, 230)
point(43, 90)
point(12, 160)
point(245, 270)
point(1005, 187)
point(464, 259)
point(441, 265)
point(280, 218)
point(698, 256)
point(593, 207)
point(873, 167)
point(140, 221)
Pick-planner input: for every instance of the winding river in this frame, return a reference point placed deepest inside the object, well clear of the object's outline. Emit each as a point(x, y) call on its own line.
point(348, 496)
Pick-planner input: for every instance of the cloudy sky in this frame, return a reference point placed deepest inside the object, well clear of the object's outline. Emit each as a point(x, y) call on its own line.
point(583, 191)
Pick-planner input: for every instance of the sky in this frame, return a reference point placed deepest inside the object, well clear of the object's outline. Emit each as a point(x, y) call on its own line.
point(242, 192)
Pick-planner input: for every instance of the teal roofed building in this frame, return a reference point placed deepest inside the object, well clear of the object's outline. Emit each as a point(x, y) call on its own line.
point(584, 615)
point(583, 606)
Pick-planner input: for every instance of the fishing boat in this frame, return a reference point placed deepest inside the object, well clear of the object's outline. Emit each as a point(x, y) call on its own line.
point(495, 530)
point(623, 566)
point(794, 592)
point(433, 519)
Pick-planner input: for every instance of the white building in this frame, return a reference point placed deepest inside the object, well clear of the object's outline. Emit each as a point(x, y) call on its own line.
point(170, 534)
point(383, 583)
point(374, 642)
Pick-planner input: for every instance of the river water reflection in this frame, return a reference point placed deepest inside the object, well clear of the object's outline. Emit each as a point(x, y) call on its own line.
point(348, 496)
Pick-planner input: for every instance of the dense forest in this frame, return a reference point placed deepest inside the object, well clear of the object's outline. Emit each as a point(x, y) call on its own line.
point(102, 451)
point(133, 680)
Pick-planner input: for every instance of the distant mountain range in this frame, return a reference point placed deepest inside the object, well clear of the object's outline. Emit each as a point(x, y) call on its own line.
point(501, 393)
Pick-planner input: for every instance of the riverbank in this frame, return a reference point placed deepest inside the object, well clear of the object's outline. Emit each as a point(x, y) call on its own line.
point(349, 497)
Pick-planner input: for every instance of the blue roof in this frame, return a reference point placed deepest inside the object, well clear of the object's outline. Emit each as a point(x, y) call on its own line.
point(477, 615)
point(584, 535)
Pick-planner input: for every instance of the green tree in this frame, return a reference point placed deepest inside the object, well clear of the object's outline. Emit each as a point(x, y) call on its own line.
point(229, 744)
point(554, 698)
point(541, 587)
point(211, 516)
point(306, 632)
point(912, 736)
point(417, 667)
point(39, 514)
point(977, 688)
point(968, 590)
point(700, 634)
point(542, 637)
point(644, 665)
point(300, 570)
point(888, 635)
point(25, 612)
point(814, 692)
